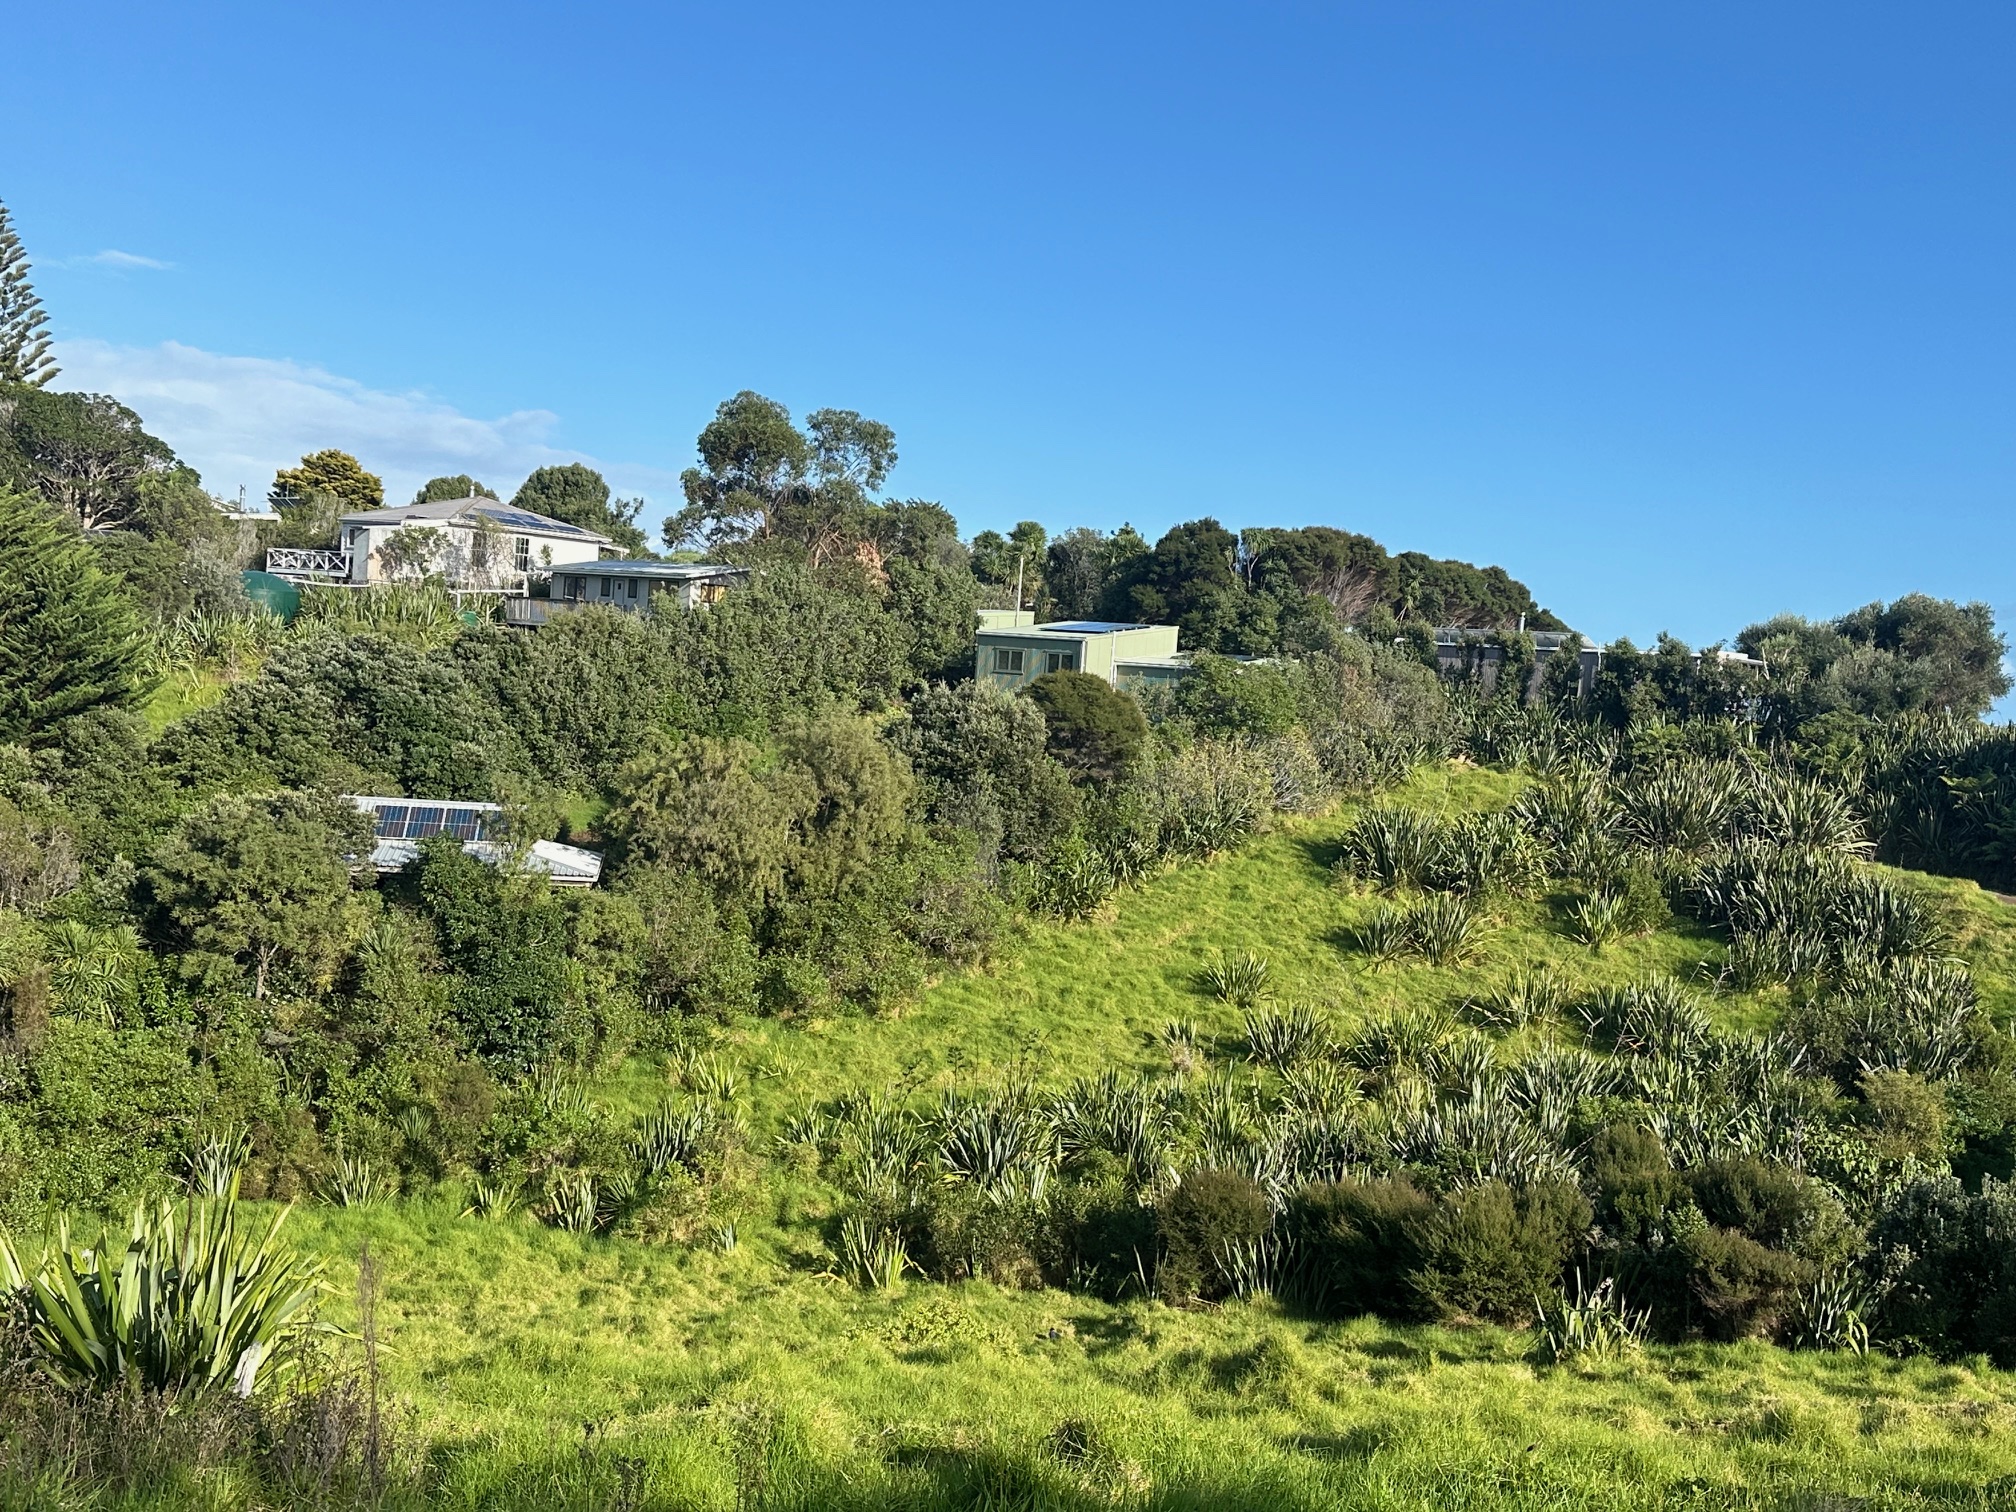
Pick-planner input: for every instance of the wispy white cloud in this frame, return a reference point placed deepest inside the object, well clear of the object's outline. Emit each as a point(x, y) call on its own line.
point(111, 257)
point(239, 419)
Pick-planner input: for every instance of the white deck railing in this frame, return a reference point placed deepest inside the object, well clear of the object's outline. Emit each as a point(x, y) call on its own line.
point(307, 562)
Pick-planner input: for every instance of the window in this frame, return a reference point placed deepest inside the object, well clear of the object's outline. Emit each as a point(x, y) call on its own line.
point(1060, 661)
point(1007, 661)
point(521, 554)
point(630, 588)
point(577, 587)
point(604, 591)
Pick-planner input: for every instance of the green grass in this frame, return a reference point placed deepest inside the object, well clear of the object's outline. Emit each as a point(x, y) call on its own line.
point(1072, 998)
point(521, 1345)
point(549, 1370)
point(179, 694)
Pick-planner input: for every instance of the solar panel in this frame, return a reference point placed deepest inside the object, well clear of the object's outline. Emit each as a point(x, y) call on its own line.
point(533, 522)
point(424, 822)
point(392, 821)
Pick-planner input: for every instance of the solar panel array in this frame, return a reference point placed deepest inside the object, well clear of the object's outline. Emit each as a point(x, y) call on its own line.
point(416, 821)
point(524, 521)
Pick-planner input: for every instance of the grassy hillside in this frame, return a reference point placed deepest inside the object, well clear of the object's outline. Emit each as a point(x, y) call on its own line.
point(558, 1370)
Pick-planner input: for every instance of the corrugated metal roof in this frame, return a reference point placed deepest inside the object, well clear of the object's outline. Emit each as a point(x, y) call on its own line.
point(448, 511)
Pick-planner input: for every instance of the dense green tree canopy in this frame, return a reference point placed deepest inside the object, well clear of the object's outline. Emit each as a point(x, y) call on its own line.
point(331, 474)
point(460, 486)
point(261, 882)
point(86, 453)
point(1917, 655)
point(981, 755)
point(69, 639)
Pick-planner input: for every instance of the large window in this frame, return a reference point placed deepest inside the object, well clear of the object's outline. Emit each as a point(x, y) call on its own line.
point(604, 590)
point(630, 588)
point(1060, 661)
point(1007, 660)
point(577, 587)
point(521, 553)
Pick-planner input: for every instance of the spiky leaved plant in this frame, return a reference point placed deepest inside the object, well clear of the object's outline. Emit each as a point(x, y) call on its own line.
point(193, 1302)
point(1383, 935)
point(1589, 1323)
point(1445, 930)
point(1240, 980)
point(1526, 996)
point(492, 1200)
point(1391, 847)
point(871, 1257)
point(1284, 1038)
point(355, 1182)
point(1597, 919)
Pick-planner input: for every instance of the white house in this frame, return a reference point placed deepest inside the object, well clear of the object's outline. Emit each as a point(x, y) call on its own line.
point(473, 543)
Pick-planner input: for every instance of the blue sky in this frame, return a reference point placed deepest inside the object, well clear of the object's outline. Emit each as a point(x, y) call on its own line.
point(1683, 314)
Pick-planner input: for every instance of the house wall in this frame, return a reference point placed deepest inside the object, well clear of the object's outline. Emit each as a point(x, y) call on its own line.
point(636, 594)
point(1034, 649)
point(365, 541)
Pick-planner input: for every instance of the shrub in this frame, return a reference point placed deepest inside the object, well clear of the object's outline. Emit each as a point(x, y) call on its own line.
point(1099, 1237)
point(1637, 1190)
point(1741, 1287)
point(1773, 1205)
point(1954, 1289)
point(1096, 732)
point(970, 1235)
point(1488, 1251)
point(1357, 1243)
point(1207, 1214)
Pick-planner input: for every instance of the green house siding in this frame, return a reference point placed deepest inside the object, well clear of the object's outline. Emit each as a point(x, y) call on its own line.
point(1012, 656)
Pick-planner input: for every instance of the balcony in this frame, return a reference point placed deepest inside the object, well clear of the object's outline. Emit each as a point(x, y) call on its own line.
point(530, 613)
point(300, 564)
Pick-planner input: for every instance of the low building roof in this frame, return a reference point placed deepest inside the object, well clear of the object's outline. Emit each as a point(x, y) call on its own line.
point(1075, 629)
point(671, 572)
point(451, 511)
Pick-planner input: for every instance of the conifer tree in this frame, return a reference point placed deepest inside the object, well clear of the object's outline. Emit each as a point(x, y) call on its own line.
point(69, 639)
point(24, 349)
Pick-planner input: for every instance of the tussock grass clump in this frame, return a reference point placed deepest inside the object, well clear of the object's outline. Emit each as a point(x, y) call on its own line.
point(1240, 979)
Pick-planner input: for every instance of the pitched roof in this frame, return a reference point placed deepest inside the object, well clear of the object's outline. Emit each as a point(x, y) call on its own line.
point(450, 511)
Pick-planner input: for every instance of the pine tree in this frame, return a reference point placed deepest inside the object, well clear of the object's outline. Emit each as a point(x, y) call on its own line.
point(69, 639)
point(24, 349)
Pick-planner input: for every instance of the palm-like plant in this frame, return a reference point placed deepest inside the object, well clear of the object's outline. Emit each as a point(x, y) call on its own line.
point(193, 1302)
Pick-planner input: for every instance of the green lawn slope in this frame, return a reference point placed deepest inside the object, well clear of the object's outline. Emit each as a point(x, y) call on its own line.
point(553, 1370)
